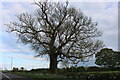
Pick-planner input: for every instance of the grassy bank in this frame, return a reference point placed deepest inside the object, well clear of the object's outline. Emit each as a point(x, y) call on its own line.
point(41, 76)
point(102, 75)
point(101, 72)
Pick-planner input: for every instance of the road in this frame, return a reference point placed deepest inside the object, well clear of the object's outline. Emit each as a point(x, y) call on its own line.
point(9, 76)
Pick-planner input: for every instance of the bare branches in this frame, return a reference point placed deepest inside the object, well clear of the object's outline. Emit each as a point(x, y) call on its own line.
point(58, 30)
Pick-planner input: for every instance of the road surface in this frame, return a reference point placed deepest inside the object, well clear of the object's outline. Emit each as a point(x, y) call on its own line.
point(9, 76)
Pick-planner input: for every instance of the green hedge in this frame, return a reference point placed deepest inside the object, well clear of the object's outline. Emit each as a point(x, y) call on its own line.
point(88, 69)
point(94, 75)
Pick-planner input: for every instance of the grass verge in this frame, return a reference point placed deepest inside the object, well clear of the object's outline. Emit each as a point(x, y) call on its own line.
point(99, 75)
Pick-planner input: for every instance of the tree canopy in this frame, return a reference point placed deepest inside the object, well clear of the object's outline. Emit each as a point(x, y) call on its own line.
point(108, 58)
point(59, 31)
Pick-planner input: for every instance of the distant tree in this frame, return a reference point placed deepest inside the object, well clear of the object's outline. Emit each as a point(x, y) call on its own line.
point(58, 31)
point(22, 68)
point(15, 69)
point(108, 58)
point(117, 57)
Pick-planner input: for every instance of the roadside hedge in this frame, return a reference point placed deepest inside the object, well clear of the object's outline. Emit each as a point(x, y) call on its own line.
point(93, 75)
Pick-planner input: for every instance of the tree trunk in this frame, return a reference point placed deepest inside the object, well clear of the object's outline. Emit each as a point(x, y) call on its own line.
point(53, 63)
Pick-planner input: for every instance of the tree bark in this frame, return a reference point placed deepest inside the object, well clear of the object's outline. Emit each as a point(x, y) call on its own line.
point(53, 63)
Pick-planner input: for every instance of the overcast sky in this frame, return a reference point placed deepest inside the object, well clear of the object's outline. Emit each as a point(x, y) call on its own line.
point(105, 13)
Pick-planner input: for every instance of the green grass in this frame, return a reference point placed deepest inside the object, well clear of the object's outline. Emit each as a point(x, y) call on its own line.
point(49, 76)
point(102, 72)
point(39, 76)
point(32, 75)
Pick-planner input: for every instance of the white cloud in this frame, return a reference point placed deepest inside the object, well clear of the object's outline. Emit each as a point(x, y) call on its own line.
point(16, 0)
point(23, 56)
point(24, 48)
point(1, 6)
point(11, 10)
point(106, 14)
point(62, 0)
point(10, 51)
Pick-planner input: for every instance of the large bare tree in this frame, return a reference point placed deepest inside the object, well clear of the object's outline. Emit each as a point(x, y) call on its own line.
point(59, 31)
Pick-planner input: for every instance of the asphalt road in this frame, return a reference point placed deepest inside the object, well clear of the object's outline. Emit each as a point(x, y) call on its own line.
point(8, 76)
